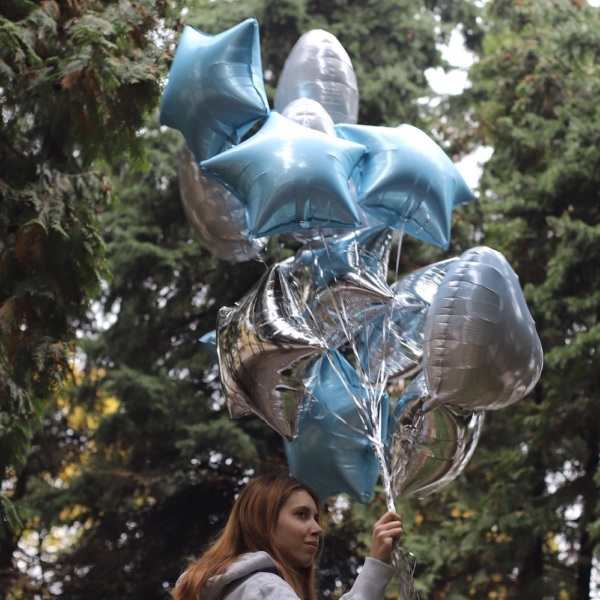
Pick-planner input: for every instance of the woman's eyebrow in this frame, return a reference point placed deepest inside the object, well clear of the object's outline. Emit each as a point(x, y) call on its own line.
point(306, 508)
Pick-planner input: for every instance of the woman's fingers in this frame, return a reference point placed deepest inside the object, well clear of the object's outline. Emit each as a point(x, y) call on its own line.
point(385, 532)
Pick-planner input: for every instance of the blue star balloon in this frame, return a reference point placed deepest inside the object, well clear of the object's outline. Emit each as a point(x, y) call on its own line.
point(332, 453)
point(215, 91)
point(290, 177)
point(407, 181)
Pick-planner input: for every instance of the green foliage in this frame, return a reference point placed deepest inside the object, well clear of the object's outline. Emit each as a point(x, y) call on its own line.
point(139, 459)
point(167, 453)
point(77, 81)
point(533, 88)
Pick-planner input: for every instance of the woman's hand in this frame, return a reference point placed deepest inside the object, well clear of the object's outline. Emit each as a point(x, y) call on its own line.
point(385, 531)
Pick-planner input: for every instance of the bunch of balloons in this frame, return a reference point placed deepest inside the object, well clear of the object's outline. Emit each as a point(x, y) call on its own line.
point(322, 346)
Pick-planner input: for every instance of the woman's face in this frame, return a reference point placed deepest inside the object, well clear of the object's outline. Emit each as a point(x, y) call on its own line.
point(297, 530)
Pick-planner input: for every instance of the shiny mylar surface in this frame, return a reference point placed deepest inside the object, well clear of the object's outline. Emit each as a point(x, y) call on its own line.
point(215, 92)
point(332, 454)
point(407, 181)
point(318, 67)
point(429, 450)
point(265, 348)
point(290, 177)
point(215, 214)
point(481, 348)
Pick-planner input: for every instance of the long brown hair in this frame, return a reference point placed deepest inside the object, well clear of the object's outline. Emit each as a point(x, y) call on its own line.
point(250, 528)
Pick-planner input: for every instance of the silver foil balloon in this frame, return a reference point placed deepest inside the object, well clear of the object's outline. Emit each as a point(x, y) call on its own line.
point(309, 113)
point(481, 348)
point(265, 347)
point(428, 450)
point(217, 216)
point(391, 345)
point(318, 67)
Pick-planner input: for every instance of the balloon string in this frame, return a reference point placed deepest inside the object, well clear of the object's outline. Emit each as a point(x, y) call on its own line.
point(398, 250)
point(372, 421)
point(403, 562)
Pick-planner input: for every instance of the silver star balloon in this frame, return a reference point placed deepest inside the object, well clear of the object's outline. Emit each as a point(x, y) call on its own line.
point(265, 346)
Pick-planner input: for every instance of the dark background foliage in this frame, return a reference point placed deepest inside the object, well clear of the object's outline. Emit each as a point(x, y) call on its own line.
point(119, 466)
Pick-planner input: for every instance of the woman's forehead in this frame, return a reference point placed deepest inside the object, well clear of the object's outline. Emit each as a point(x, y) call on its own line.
point(301, 498)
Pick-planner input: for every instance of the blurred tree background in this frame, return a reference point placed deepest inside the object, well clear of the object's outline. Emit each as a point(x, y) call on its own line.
point(120, 464)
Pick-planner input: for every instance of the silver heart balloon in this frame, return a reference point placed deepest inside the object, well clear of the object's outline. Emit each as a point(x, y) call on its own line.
point(265, 347)
point(481, 350)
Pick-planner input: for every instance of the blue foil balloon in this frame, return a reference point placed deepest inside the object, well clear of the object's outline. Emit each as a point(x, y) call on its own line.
point(290, 177)
point(332, 453)
point(407, 181)
point(209, 343)
point(215, 91)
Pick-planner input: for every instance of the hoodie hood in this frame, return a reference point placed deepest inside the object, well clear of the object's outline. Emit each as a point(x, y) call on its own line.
point(244, 566)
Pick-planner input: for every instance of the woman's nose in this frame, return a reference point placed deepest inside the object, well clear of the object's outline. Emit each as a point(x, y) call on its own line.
point(316, 528)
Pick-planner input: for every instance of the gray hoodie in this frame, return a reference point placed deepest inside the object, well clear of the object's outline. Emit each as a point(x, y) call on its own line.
point(254, 577)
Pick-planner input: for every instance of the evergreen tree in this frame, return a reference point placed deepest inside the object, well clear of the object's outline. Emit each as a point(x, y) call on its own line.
point(523, 521)
point(158, 472)
point(77, 80)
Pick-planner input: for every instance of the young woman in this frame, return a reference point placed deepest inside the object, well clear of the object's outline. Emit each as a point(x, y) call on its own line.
point(268, 547)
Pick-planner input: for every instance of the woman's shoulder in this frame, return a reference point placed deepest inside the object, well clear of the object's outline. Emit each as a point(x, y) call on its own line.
point(260, 585)
point(253, 576)
point(250, 563)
